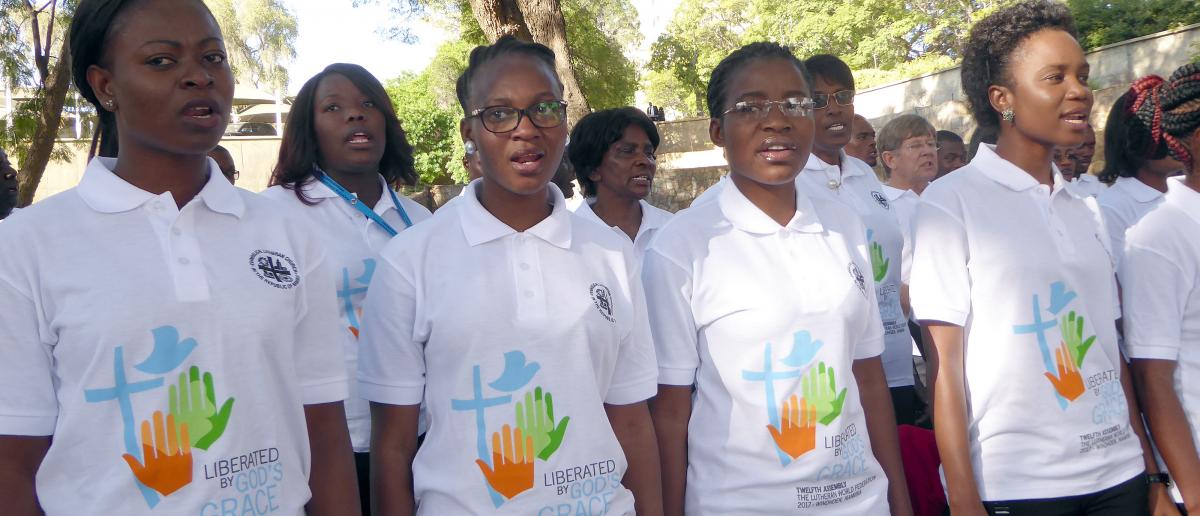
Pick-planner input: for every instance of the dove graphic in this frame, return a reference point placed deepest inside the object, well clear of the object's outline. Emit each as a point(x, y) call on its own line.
point(804, 349)
point(517, 373)
point(169, 352)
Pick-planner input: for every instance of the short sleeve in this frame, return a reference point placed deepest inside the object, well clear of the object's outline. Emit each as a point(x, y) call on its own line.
point(28, 404)
point(391, 361)
point(869, 342)
point(317, 351)
point(1115, 225)
point(635, 376)
point(669, 296)
point(1155, 292)
point(941, 284)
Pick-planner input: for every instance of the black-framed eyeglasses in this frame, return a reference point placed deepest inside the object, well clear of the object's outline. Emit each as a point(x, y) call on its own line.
point(503, 119)
point(843, 98)
point(794, 107)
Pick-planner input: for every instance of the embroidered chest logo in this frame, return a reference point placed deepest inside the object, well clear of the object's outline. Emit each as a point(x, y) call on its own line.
point(275, 268)
point(881, 199)
point(602, 298)
point(858, 278)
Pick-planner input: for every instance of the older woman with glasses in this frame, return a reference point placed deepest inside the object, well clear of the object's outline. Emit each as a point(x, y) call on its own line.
point(613, 155)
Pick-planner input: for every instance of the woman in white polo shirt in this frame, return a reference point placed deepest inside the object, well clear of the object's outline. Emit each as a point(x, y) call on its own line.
point(167, 337)
point(1161, 280)
point(1136, 162)
point(521, 326)
point(772, 397)
point(342, 148)
point(612, 152)
point(1034, 410)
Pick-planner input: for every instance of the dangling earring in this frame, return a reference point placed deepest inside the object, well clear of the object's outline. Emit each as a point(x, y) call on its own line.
point(1008, 115)
point(469, 147)
point(568, 142)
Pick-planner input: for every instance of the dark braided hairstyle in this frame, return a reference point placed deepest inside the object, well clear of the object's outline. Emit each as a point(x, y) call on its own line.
point(1179, 103)
point(481, 55)
point(1133, 131)
point(991, 46)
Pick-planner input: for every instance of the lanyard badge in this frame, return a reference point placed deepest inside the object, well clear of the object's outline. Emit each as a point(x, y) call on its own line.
point(362, 208)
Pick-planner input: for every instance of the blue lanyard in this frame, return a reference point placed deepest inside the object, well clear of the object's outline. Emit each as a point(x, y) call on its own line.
point(362, 208)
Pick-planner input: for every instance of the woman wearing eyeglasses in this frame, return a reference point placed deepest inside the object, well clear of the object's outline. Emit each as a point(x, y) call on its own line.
point(520, 325)
point(772, 398)
point(612, 152)
point(832, 174)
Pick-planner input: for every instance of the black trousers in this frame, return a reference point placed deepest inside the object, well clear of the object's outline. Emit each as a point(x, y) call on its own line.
point(906, 404)
point(1129, 498)
point(362, 464)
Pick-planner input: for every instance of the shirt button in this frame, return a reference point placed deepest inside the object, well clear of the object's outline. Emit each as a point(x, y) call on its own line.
point(528, 293)
point(524, 266)
point(176, 231)
point(184, 261)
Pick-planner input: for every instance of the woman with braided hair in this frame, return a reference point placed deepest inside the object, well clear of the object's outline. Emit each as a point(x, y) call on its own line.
point(1161, 280)
point(1033, 404)
point(1136, 162)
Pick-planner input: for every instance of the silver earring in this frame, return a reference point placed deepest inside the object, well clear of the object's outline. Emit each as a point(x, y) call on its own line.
point(109, 104)
point(568, 142)
point(1008, 115)
point(469, 147)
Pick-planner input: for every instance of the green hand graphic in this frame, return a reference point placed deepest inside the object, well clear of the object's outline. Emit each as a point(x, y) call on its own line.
point(535, 418)
point(879, 264)
point(1072, 334)
point(819, 388)
point(198, 410)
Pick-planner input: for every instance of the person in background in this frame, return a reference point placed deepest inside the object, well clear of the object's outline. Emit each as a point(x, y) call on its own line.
point(1136, 161)
point(8, 186)
point(225, 162)
point(1084, 154)
point(520, 325)
point(862, 141)
point(612, 153)
point(1161, 280)
point(763, 307)
point(952, 153)
point(342, 149)
point(1035, 412)
point(564, 179)
point(980, 136)
point(1064, 159)
point(175, 354)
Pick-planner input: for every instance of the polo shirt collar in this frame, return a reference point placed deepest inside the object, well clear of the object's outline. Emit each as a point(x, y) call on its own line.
point(849, 167)
point(747, 217)
point(652, 218)
point(1184, 197)
point(104, 192)
point(1141, 192)
point(1012, 177)
point(480, 226)
point(894, 193)
point(314, 189)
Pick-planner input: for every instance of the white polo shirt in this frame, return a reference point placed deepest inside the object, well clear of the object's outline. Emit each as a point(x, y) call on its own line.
point(111, 298)
point(904, 203)
point(652, 219)
point(1123, 205)
point(1160, 276)
point(711, 192)
point(1012, 262)
point(1089, 184)
point(352, 242)
point(862, 192)
point(765, 319)
point(498, 330)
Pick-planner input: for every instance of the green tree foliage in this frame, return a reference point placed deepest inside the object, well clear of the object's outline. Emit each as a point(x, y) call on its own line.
point(1104, 22)
point(429, 111)
point(260, 36)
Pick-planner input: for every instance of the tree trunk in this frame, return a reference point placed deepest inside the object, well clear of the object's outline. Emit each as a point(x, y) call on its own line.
point(546, 24)
point(54, 94)
point(500, 18)
point(535, 20)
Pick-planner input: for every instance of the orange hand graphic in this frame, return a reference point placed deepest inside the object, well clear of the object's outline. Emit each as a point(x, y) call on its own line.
point(168, 456)
point(799, 433)
point(511, 473)
point(1069, 383)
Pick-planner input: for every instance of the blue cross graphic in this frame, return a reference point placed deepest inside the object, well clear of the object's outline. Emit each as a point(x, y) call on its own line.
point(768, 377)
point(122, 392)
point(480, 404)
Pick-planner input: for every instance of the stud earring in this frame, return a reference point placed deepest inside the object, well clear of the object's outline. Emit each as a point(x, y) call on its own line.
point(1008, 115)
point(469, 147)
point(109, 104)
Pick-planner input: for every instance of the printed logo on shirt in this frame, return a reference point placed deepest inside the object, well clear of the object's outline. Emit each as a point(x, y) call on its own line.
point(275, 268)
point(353, 287)
point(1063, 371)
point(602, 299)
point(160, 452)
point(858, 278)
point(881, 199)
point(879, 263)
